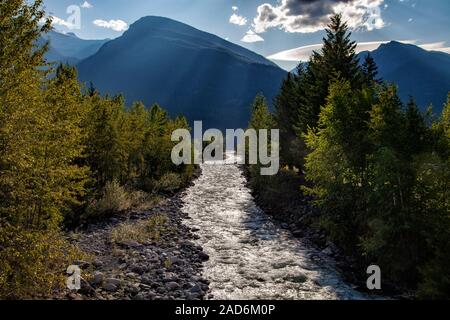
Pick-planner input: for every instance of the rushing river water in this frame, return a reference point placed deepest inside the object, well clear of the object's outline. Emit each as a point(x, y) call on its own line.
point(250, 256)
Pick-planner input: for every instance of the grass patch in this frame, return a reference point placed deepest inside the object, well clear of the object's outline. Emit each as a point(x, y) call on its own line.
point(142, 231)
point(116, 198)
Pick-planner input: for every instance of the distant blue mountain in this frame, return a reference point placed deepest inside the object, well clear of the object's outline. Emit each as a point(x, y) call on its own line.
point(422, 74)
point(187, 71)
point(68, 48)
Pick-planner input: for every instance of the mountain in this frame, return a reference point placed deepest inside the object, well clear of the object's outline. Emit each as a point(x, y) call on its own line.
point(68, 47)
point(422, 74)
point(187, 71)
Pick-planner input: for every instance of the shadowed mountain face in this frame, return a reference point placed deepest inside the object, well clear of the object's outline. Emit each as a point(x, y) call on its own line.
point(68, 48)
point(185, 70)
point(422, 74)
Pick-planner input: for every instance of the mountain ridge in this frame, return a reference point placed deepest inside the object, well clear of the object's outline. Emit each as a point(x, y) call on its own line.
point(68, 47)
point(186, 70)
point(418, 73)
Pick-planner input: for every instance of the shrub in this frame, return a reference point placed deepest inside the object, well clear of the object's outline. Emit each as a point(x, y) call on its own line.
point(142, 200)
point(114, 199)
point(148, 230)
point(169, 183)
point(33, 263)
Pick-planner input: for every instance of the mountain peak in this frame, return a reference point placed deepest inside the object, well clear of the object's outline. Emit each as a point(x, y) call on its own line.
point(423, 74)
point(186, 70)
point(157, 23)
point(397, 45)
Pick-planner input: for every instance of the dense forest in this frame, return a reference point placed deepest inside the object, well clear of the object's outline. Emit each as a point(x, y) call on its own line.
point(378, 170)
point(67, 156)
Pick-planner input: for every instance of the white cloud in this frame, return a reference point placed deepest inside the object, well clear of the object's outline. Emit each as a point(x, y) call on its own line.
point(239, 20)
point(252, 37)
point(87, 5)
point(56, 21)
point(116, 25)
point(304, 53)
point(306, 16)
point(234, 8)
point(436, 46)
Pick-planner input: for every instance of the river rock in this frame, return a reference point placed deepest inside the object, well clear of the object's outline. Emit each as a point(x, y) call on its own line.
point(172, 286)
point(139, 269)
point(203, 256)
point(298, 234)
point(111, 284)
point(98, 278)
point(110, 287)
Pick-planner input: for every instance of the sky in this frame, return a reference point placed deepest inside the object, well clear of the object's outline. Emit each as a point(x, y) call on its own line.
point(285, 31)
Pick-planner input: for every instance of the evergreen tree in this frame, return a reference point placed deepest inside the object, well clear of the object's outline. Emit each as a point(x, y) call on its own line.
point(336, 60)
point(288, 105)
point(370, 71)
point(106, 144)
point(417, 139)
point(261, 116)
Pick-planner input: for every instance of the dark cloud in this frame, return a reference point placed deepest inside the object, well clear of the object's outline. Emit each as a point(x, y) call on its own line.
point(311, 8)
point(313, 15)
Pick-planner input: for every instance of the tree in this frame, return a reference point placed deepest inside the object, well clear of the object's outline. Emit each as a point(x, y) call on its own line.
point(337, 161)
point(40, 142)
point(106, 141)
point(336, 60)
point(370, 71)
point(417, 138)
point(288, 105)
point(261, 116)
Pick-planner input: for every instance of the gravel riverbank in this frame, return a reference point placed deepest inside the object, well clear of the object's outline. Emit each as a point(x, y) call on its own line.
point(168, 267)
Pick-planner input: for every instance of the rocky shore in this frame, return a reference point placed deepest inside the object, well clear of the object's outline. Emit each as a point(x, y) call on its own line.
point(165, 267)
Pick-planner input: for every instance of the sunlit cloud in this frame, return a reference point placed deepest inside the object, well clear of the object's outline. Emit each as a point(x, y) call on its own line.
point(56, 21)
point(238, 20)
point(305, 52)
point(116, 25)
point(87, 5)
point(252, 37)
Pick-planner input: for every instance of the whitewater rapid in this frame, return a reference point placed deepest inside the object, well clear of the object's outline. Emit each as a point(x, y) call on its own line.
point(250, 256)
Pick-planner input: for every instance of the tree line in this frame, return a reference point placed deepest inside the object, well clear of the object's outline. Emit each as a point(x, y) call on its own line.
point(67, 154)
point(378, 169)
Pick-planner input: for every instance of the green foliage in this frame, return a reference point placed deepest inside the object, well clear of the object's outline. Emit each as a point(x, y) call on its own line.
point(261, 117)
point(40, 145)
point(61, 150)
point(377, 169)
point(33, 263)
point(299, 102)
point(381, 186)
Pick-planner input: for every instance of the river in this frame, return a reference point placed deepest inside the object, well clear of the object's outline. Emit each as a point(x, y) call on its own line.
point(251, 257)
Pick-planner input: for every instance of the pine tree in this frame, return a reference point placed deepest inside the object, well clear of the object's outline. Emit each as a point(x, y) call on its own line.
point(416, 131)
point(261, 116)
point(338, 53)
point(288, 104)
point(370, 71)
point(336, 60)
